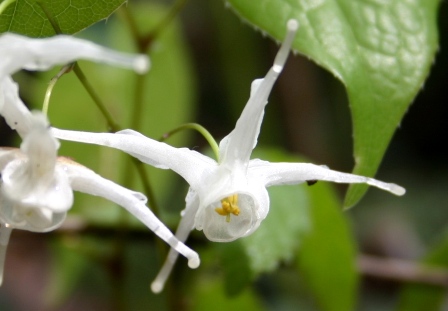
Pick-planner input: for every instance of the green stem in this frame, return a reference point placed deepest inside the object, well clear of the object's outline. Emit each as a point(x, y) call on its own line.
point(175, 9)
point(5, 4)
point(64, 70)
point(143, 42)
point(114, 127)
point(124, 13)
point(197, 127)
point(137, 113)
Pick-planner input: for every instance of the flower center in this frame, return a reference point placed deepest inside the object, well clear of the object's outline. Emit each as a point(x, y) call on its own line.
point(229, 206)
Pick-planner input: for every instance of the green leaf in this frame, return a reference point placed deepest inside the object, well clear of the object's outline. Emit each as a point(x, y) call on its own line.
point(280, 233)
point(380, 50)
point(235, 265)
point(415, 297)
point(28, 18)
point(326, 258)
point(209, 295)
point(5, 4)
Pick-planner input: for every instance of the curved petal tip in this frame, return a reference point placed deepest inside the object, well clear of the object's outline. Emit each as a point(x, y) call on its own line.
point(397, 190)
point(292, 25)
point(141, 64)
point(156, 287)
point(194, 262)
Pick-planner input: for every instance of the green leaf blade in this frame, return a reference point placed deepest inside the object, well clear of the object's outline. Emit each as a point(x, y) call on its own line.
point(236, 267)
point(27, 17)
point(380, 50)
point(327, 255)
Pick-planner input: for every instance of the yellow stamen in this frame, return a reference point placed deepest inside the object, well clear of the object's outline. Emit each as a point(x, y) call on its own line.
point(229, 206)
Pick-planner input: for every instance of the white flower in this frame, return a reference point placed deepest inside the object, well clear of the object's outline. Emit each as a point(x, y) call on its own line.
point(227, 199)
point(36, 190)
point(36, 186)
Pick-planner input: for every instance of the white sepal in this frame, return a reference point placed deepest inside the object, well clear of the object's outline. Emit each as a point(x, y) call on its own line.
point(5, 233)
point(87, 181)
point(20, 52)
point(189, 164)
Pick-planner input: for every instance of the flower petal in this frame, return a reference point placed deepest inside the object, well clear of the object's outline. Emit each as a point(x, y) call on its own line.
point(191, 165)
point(29, 217)
point(51, 192)
point(220, 225)
point(85, 180)
point(7, 155)
point(5, 233)
point(19, 52)
point(183, 231)
point(14, 111)
point(294, 173)
point(238, 145)
point(220, 215)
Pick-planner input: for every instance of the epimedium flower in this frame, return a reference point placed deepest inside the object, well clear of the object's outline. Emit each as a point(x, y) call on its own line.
point(36, 186)
point(227, 199)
